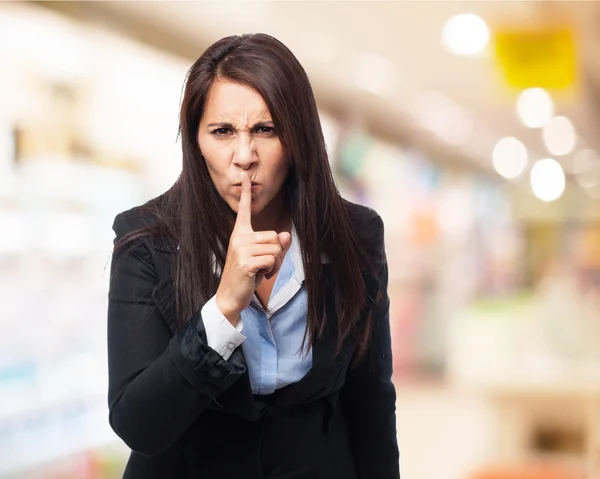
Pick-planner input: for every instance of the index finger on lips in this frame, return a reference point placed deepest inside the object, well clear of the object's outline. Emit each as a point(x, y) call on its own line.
point(243, 221)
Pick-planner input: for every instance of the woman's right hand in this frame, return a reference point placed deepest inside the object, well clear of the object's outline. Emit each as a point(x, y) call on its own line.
point(250, 256)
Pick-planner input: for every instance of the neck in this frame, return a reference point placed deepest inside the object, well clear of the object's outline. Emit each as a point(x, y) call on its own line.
point(275, 216)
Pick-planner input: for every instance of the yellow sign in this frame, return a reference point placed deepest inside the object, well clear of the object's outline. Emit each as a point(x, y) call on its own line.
point(544, 58)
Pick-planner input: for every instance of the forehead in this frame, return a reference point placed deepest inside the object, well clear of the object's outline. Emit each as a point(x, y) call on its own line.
point(228, 101)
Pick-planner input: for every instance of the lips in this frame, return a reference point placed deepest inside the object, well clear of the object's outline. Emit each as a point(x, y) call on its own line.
point(239, 185)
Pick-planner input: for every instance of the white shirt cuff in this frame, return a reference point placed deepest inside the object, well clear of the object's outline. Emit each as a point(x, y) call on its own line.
point(221, 335)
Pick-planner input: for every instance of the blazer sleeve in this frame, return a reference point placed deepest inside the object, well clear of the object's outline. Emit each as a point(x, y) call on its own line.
point(158, 382)
point(369, 396)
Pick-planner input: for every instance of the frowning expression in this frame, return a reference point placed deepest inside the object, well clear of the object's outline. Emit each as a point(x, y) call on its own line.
point(236, 134)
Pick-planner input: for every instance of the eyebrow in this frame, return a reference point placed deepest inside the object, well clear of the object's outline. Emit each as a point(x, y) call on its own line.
point(229, 125)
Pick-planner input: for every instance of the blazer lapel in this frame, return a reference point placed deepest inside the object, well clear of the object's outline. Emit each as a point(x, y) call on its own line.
point(326, 372)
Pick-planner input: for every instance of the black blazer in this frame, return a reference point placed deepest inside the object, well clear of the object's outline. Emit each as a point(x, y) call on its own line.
point(187, 413)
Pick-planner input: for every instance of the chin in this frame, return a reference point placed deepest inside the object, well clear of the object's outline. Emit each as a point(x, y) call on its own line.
point(256, 207)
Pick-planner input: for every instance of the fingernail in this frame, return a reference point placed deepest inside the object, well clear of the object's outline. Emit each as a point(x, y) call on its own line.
point(241, 176)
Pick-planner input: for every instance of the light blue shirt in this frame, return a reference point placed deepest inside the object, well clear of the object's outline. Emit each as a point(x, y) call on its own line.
point(272, 340)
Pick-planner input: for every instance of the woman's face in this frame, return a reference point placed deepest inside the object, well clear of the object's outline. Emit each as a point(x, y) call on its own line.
point(237, 134)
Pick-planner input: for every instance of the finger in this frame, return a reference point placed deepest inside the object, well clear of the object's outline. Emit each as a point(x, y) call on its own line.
point(258, 237)
point(258, 263)
point(243, 221)
point(285, 241)
point(265, 249)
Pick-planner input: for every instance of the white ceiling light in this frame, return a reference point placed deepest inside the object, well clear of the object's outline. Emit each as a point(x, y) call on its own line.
point(376, 74)
point(547, 180)
point(465, 34)
point(509, 157)
point(535, 107)
point(559, 135)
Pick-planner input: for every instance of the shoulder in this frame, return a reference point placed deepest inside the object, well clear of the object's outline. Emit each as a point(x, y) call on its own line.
point(138, 217)
point(359, 213)
point(366, 224)
point(153, 221)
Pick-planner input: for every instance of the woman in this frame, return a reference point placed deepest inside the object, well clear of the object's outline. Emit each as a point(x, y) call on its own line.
point(248, 324)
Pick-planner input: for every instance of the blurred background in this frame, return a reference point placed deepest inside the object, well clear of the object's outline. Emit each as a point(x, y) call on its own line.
point(471, 127)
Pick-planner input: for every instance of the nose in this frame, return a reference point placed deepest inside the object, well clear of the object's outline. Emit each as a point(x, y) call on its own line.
point(244, 155)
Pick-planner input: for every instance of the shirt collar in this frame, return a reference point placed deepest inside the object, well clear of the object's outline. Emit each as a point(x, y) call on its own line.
point(295, 252)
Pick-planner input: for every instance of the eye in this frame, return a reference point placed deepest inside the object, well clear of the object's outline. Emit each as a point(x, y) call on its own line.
point(222, 132)
point(265, 130)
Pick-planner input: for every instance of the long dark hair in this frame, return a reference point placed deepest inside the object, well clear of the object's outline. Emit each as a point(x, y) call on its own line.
point(194, 216)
